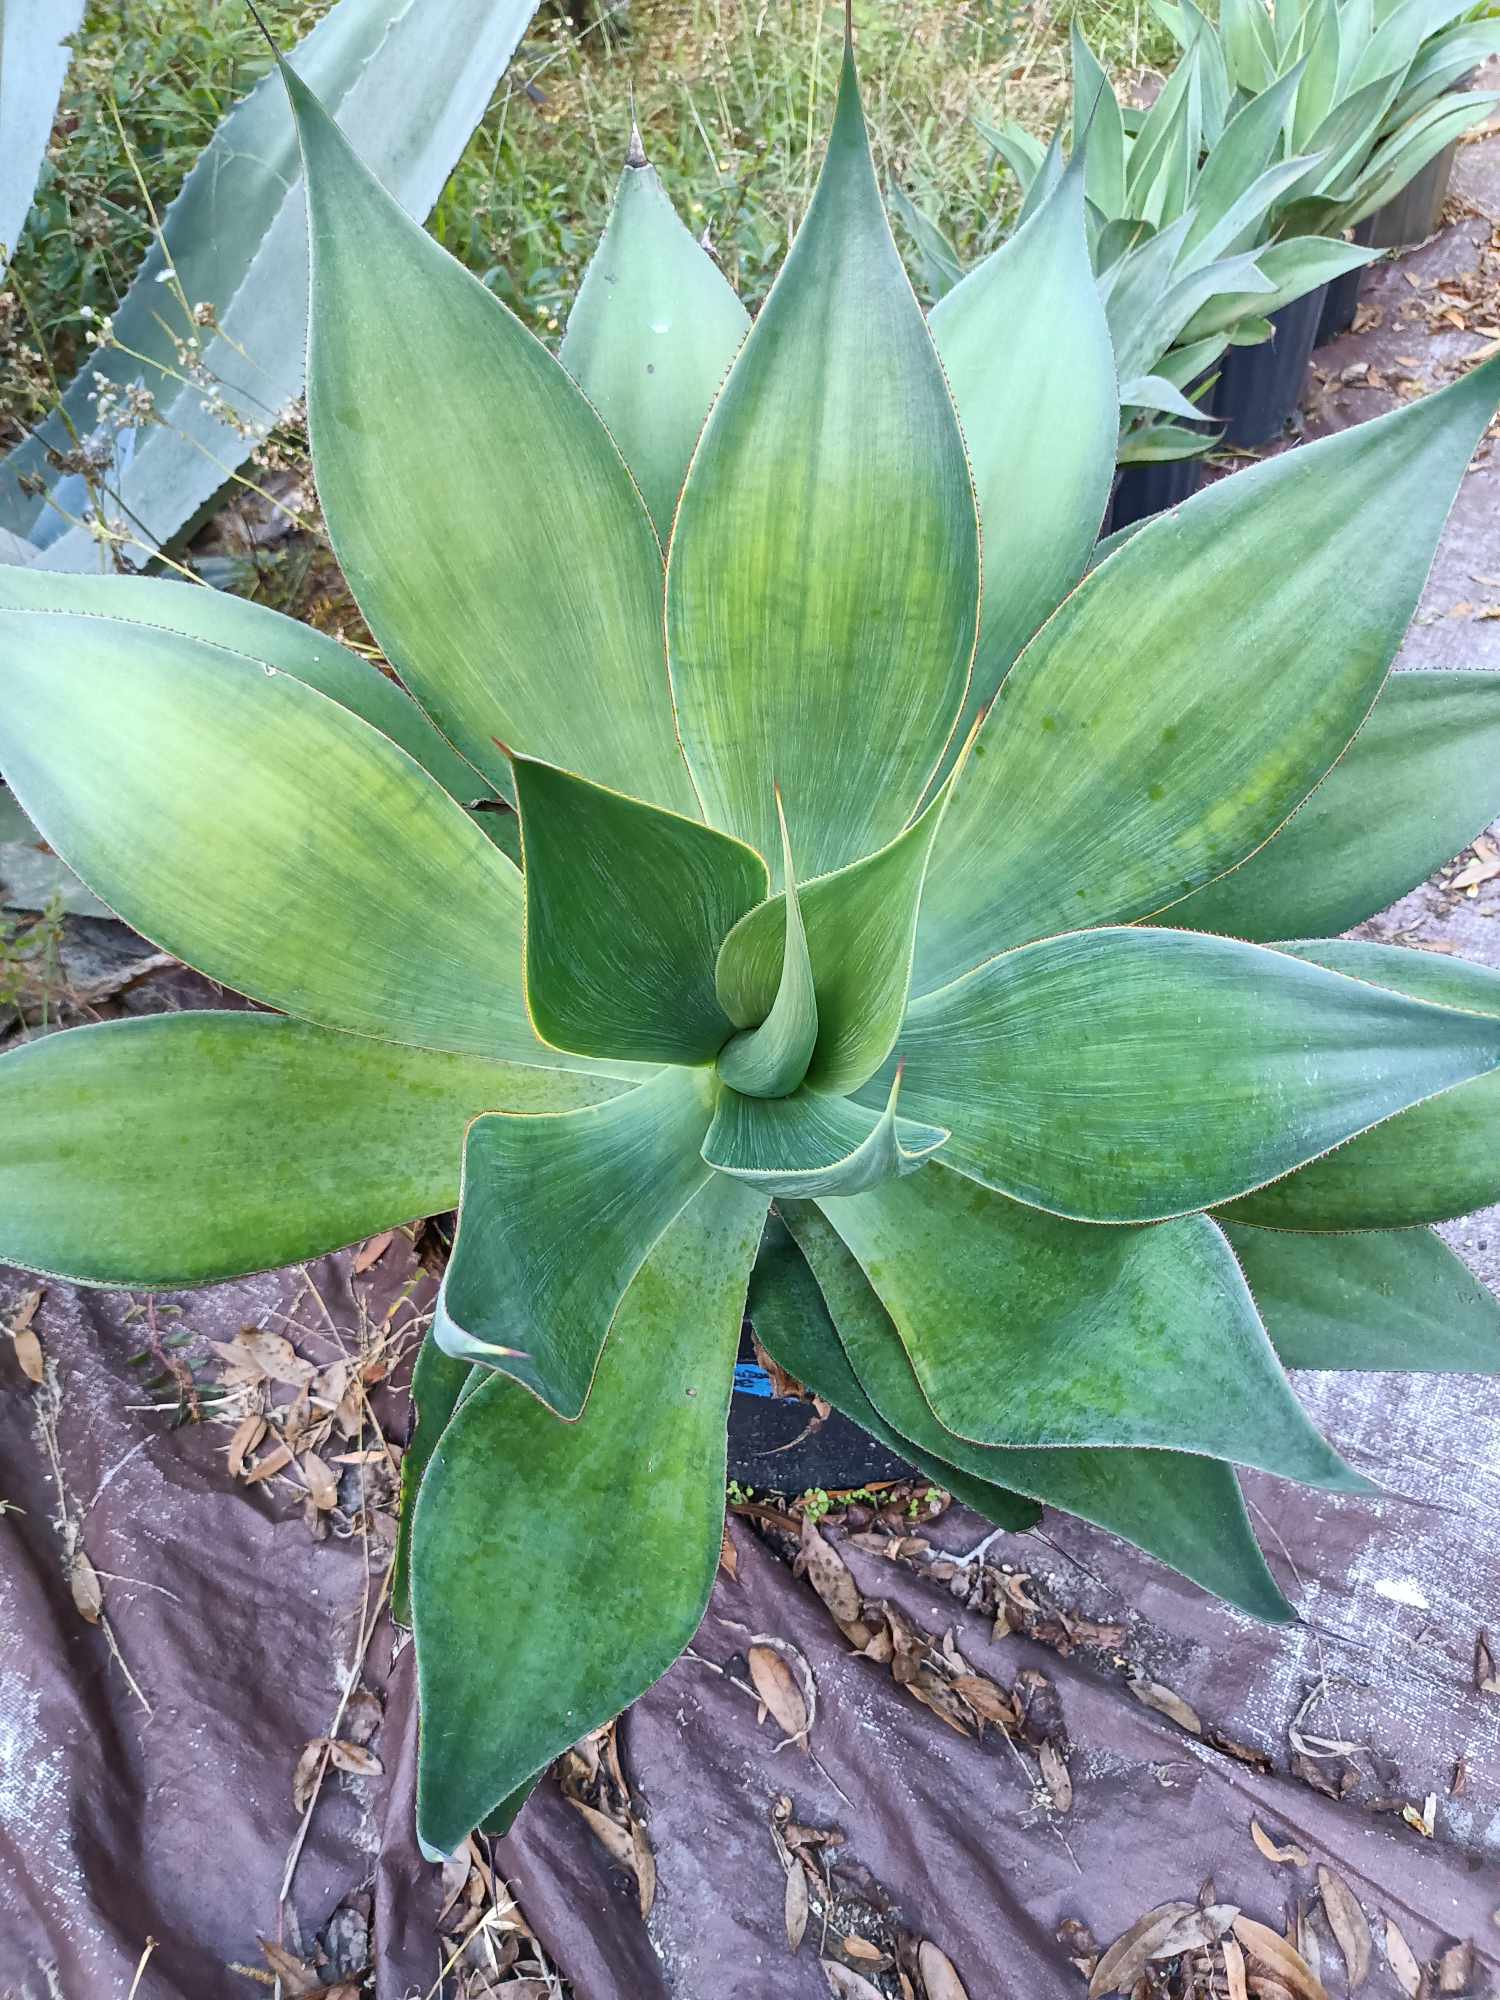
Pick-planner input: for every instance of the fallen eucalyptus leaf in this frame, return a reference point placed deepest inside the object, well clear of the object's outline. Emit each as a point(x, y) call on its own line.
point(1348, 1923)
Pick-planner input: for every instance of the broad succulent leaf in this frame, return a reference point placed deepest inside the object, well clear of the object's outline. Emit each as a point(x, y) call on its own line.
point(556, 1216)
point(651, 335)
point(626, 906)
point(822, 583)
point(462, 543)
point(859, 928)
point(1420, 779)
point(517, 1507)
point(1384, 1299)
point(408, 80)
point(808, 1145)
point(1098, 129)
point(1026, 347)
point(779, 1031)
point(187, 1148)
point(1028, 1330)
point(1184, 1508)
point(34, 56)
point(124, 743)
point(1221, 1064)
point(263, 634)
point(1438, 1160)
point(438, 1383)
point(1110, 719)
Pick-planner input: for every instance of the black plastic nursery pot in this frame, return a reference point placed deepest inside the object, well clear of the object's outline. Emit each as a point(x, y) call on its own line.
point(1145, 489)
point(1341, 295)
point(1414, 214)
point(776, 1443)
point(1259, 387)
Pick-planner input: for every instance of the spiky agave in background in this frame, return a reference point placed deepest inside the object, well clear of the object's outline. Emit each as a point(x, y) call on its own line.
point(960, 1013)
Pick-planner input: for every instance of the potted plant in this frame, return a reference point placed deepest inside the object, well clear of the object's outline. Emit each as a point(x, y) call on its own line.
point(841, 897)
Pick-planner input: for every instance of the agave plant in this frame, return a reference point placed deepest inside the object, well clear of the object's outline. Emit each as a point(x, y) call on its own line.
point(919, 922)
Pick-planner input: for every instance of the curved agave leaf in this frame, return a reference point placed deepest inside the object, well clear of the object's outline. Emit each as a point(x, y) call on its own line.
point(1184, 1509)
point(1125, 1075)
point(1420, 779)
point(858, 930)
point(1183, 740)
point(1396, 1299)
point(1098, 129)
point(438, 1383)
point(230, 813)
point(409, 80)
point(793, 1323)
point(1027, 1330)
point(284, 643)
point(516, 1507)
point(1026, 347)
point(34, 56)
point(626, 905)
point(557, 1215)
point(770, 1059)
point(807, 1144)
point(1440, 1159)
point(823, 578)
point(651, 335)
point(186, 1148)
point(458, 464)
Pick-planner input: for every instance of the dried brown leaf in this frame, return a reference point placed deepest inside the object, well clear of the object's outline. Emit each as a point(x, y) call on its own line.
point(729, 1555)
point(23, 1336)
point(1486, 1681)
point(1348, 1923)
point(847, 1984)
point(277, 1459)
point(829, 1575)
point(321, 1483)
point(796, 1904)
point(354, 1758)
point(1196, 1931)
point(988, 1701)
point(1234, 1969)
point(372, 1252)
point(855, 1946)
point(1151, 1694)
point(305, 1776)
point(1402, 1960)
point(267, 1355)
point(643, 1861)
point(83, 1581)
point(1127, 1958)
point(1056, 1777)
point(1285, 1961)
point(777, 1687)
point(297, 1978)
point(1287, 1855)
point(939, 1975)
point(247, 1437)
point(1455, 1969)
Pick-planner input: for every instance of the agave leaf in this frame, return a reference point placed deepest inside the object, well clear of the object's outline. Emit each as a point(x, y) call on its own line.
point(409, 80)
point(1318, 91)
point(1184, 1509)
point(859, 924)
point(793, 1323)
point(807, 1144)
point(1026, 346)
point(1180, 770)
point(557, 1215)
point(1239, 164)
point(1124, 1075)
point(626, 905)
point(823, 578)
point(1242, 219)
point(31, 875)
point(941, 269)
point(516, 1508)
point(1387, 1299)
point(1021, 152)
point(1440, 1159)
point(1249, 44)
point(770, 1059)
point(1153, 392)
point(437, 1384)
point(186, 1148)
point(1098, 130)
point(651, 335)
point(1292, 268)
point(259, 831)
point(1400, 158)
point(1443, 62)
point(34, 55)
point(226, 620)
point(1027, 1330)
point(457, 463)
point(1420, 779)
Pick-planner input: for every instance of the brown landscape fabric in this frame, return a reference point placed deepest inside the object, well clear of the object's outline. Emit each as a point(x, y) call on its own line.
point(173, 1639)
